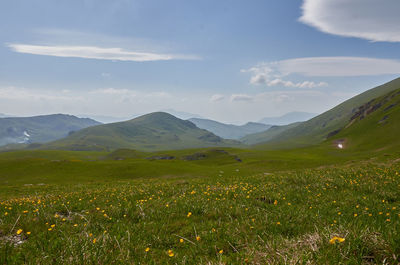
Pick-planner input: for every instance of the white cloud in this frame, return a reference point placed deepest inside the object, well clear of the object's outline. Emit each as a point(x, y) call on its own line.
point(273, 73)
point(339, 66)
point(112, 91)
point(217, 97)
point(241, 97)
point(304, 84)
point(93, 52)
point(367, 19)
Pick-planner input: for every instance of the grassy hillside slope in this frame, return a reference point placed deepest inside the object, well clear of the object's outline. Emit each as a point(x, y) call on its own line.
point(319, 128)
point(151, 132)
point(374, 125)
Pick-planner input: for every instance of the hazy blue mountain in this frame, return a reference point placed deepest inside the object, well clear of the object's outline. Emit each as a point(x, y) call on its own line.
point(40, 129)
point(288, 118)
point(229, 131)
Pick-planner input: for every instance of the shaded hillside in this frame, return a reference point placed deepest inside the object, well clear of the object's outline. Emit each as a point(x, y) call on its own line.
point(328, 123)
point(40, 129)
point(229, 131)
point(151, 132)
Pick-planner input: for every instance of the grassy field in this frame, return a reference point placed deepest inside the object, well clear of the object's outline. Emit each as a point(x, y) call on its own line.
point(278, 207)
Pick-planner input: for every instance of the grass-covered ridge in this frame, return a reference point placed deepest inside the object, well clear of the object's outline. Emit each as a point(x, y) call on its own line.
point(151, 132)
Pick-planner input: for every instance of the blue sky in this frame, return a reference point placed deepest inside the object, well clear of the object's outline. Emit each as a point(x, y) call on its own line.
point(233, 61)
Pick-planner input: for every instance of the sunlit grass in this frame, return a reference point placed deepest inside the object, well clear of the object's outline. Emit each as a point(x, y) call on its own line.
point(326, 216)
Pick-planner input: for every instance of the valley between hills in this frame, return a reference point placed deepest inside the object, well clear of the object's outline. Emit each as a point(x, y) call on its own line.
point(157, 189)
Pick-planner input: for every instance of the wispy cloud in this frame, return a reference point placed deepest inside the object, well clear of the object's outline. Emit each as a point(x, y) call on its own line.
point(368, 19)
point(275, 73)
point(93, 52)
point(112, 91)
point(241, 97)
point(217, 97)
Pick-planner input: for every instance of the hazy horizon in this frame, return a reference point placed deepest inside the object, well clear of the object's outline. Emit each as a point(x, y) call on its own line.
point(229, 61)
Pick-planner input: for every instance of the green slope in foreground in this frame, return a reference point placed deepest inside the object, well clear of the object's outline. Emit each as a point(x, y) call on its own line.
point(151, 132)
point(92, 209)
point(321, 127)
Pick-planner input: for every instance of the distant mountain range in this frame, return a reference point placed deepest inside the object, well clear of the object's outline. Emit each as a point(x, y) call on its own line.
point(40, 129)
point(229, 131)
point(368, 120)
point(288, 118)
point(151, 132)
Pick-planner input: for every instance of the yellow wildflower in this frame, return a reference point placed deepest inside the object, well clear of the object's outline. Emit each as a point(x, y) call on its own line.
point(336, 239)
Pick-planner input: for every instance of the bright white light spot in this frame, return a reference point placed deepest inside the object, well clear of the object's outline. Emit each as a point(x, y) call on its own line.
point(340, 146)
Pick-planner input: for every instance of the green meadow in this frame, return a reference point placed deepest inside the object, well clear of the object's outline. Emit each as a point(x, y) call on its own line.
point(317, 205)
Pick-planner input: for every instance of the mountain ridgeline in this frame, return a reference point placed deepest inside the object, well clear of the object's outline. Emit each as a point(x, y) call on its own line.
point(151, 132)
point(40, 129)
point(369, 120)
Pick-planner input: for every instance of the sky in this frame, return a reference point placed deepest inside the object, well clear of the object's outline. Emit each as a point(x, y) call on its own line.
point(232, 61)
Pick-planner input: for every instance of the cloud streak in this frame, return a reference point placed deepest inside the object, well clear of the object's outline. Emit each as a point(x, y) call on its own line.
point(367, 19)
point(217, 97)
point(93, 52)
point(241, 98)
point(275, 73)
